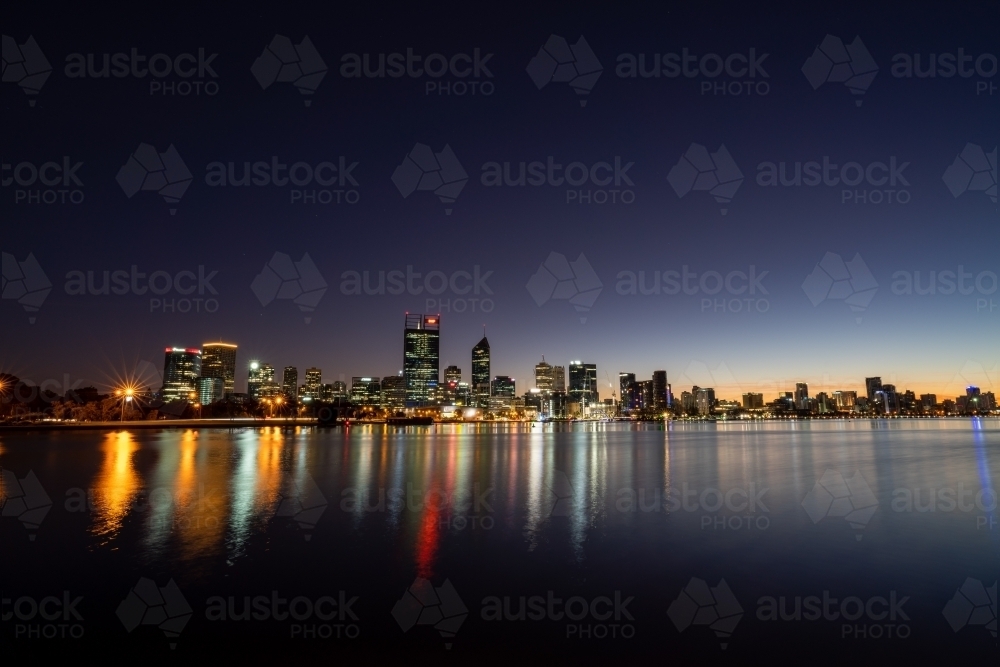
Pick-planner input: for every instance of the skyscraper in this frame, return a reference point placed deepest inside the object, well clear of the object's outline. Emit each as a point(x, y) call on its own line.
point(453, 373)
point(218, 360)
point(559, 379)
point(181, 367)
point(421, 358)
point(393, 392)
point(209, 389)
point(659, 391)
point(481, 374)
point(314, 380)
point(254, 380)
point(873, 386)
point(502, 392)
point(752, 401)
point(544, 381)
point(268, 387)
point(366, 391)
point(705, 400)
point(801, 395)
point(626, 392)
point(583, 384)
point(290, 382)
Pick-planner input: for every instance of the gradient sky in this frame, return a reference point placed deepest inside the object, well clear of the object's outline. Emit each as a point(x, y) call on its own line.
point(933, 343)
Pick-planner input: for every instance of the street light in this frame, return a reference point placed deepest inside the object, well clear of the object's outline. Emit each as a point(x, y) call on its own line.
point(126, 394)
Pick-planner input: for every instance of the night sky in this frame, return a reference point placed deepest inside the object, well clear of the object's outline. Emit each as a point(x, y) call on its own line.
point(935, 342)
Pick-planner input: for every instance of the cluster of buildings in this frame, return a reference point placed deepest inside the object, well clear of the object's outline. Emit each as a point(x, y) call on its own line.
point(208, 374)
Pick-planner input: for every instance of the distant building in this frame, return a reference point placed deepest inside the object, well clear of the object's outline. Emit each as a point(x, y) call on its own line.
point(290, 382)
point(366, 391)
point(481, 373)
point(181, 367)
point(502, 392)
point(583, 384)
point(928, 400)
point(661, 391)
point(801, 396)
point(254, 380)
point(845, 400)
point(393, 392)
point(627, 399)
point(421, 358)
point(559, 379)
point(453, 373)
point(753, 401)
point(544, 380)
point(314, 380)
point(210, 389)
point(644, 392)
point(872, 387)
point(705, 400)
point(339, 389)
point(218, 360)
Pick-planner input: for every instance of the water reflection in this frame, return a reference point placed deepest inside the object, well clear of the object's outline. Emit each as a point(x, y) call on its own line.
point(115, 486)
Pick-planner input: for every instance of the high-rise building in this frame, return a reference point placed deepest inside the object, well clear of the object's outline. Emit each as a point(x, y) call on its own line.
point(502, 392)
point(583, 384)
point(421, 358)
point(181, 367)
point(873, 386)
point(644, 393)
point(313, 384)
point(559, 379)
point(218, 360)
point(660, 392)
point(453, 373)
point(753, 401)
point(254, 380)
point(705, 400)
point(845, 400)
point(366, 391)
point(210, 389)
point(268, 387)
point(339, 390)
point(290, 382)
point(801, 396)
point(480, 385)
point(544, 380)
point(393, 392)
point(627, 392)
point(928, 400)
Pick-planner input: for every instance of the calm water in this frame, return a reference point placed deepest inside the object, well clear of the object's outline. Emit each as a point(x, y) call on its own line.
point(694, 544)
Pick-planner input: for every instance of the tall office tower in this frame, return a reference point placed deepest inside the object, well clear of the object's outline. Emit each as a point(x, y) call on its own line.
point(339, 389)
point(254, 380)
point(314, 380)
point(845, 400)
point(626, 392)
point(659, 391)
point(209, 389)
point(481, 374)
point(421, 358)
point(824, 403)
point(644, 394)
point(928, 400)
point(801, 397)
point(583, 384)
point(268, 387)
point(873, 386)
point(181, 367)
point(544, 380)
point(559, 379)
point(753, 401)
point(705, 400)
point(687, 400)
point(366, 391)
point(218, 360)
point(887, 398)
point(290, 382)
point(393, 392)
point(502, 392)
point(453, 373)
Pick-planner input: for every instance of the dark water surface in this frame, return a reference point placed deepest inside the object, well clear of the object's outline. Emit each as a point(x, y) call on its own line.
point(692, 544)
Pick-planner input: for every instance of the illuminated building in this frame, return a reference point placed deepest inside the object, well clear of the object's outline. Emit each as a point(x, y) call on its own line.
point(753, 401)
point(290, 382)
point(559, 379)
point(254, 380)
point(801, 396)
point(421, 358)
point(314, 381)
point(627, 393)
point(181, 367)
point(366, 391)
point(393, 392)
point(544, 381)
point(661, 391)
point(873, 386)
point(210, 389)
point(705, 400)
point(218, 360)
point(583, 384)
point(481, 374)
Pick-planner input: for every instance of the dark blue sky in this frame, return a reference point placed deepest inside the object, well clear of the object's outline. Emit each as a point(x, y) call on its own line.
point(934, 342)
